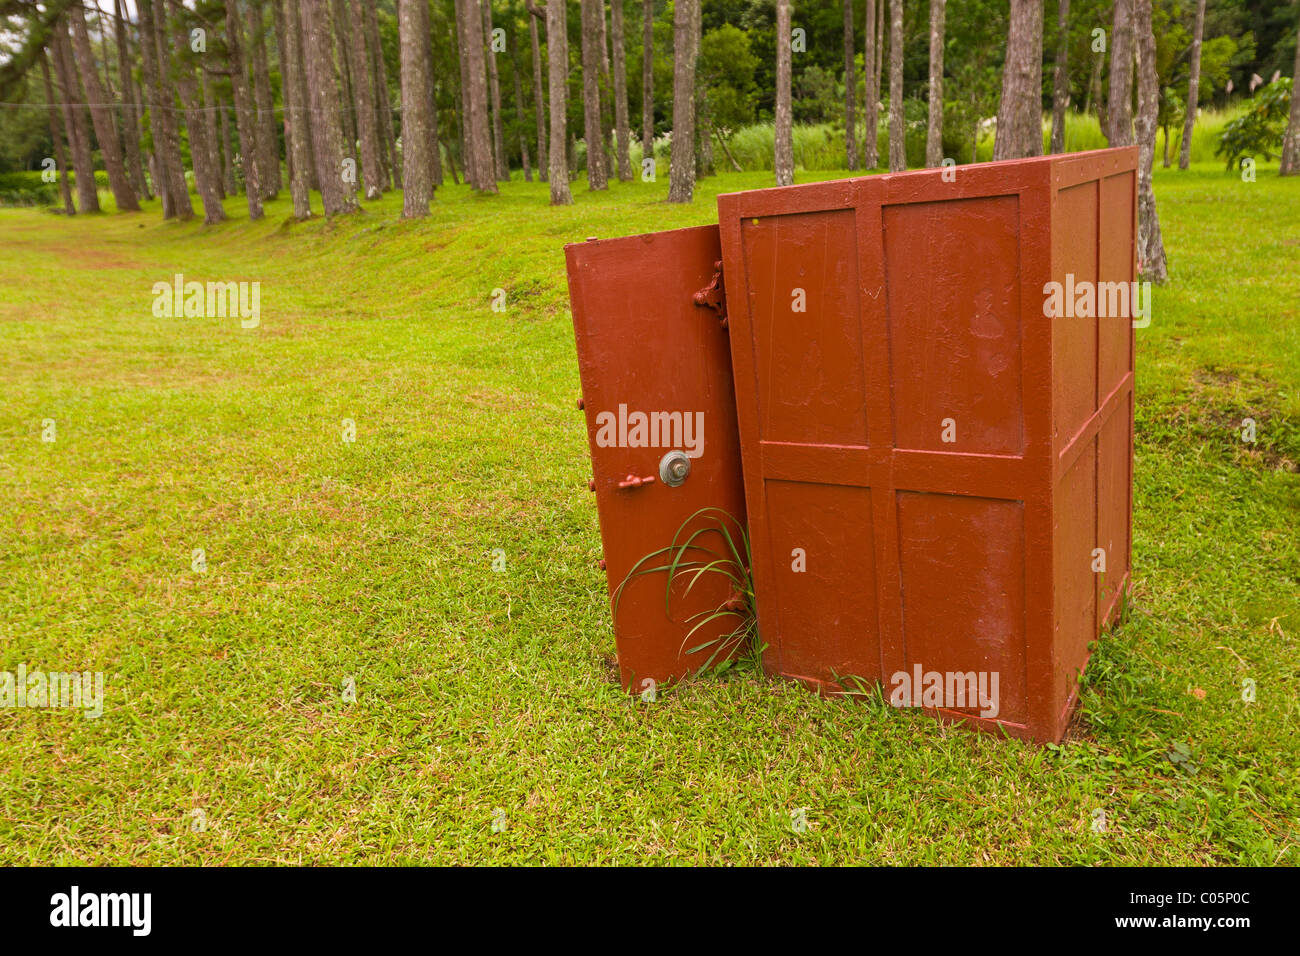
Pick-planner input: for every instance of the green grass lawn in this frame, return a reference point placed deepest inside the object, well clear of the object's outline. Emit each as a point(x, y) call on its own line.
point(226, 737)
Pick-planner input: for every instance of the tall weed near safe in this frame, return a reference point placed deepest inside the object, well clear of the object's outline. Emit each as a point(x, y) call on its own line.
point(687, 562)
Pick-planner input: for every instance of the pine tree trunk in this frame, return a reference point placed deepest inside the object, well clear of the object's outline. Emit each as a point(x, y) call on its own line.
point(703, 117)
point(934, 133)
point(622, 130)
point(207, 175)
point(1290, 164)
point(383, 105)
point(167, 141)
point(1061, 78)
point(130, 106)
point(74, 118)
point(783, 133)
point(539, 105)
point(897, 128)
point(592, 17)
point(101, 114)
point(462, 52)
point(209, 120)
point(681, 166)
point(478, 135)
point(228, 151)
point(557, 55)
point(417, 171)
point(520, 124)
point(302, 120)
point(56, 134)
point(494, 91)
point(298, 134)
point(342, 31)
point(337, 195)
point(1020, 114)
point(647, 80)
point(245, 113)
point(1194, 88)
point(850, 88)
point(871, 95)
point(879, 72)
point(1120, 100)
point(1151, 248)
point(268, 148)
point(282, 58)
point(371, 168)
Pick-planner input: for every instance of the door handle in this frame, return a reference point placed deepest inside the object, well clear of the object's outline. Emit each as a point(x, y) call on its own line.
point(633, 481)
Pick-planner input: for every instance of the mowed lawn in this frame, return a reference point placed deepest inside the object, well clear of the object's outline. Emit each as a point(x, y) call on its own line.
point(481, 696)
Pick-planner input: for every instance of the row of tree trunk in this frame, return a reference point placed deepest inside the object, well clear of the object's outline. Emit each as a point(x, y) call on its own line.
point(338, 130)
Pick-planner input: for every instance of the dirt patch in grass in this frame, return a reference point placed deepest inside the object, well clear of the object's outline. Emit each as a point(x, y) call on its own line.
point(1240, 412)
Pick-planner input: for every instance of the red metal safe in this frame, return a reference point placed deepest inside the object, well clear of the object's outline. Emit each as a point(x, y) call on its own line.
point(938, 473)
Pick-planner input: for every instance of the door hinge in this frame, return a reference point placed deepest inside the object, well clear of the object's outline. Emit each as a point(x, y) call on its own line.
point(714, 296)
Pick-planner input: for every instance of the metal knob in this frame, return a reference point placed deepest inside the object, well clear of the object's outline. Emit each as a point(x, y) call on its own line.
point(674, 468)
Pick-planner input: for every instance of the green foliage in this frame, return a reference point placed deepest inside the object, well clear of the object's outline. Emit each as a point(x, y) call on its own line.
point(27, 189)
point(1258, 131)
point(726, 70)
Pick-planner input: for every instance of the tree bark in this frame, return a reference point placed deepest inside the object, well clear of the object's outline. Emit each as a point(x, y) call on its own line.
point(681, 167)
point(383, 105)
point(56, 134)
point(462, 53)
point(897, 128)
point(342, 31)
point(703, 115)
point(647, 80)
point(1020, 114)
point(850, 88)
point(934, 132)
point(74, 118)
point(245, 113)
point(337, 196)
point(1120, 99)
point(268, 148)
point(101, 115)
point(363, 95)
point(130, 106)
point(417, 172)
point(592, 18)
point(1151, 249)
point(494, 91)
point(783, 128)
point(1290, 164)
point(209, 120)
point(479, 164)
point(231, 181)
point(302, 121)
point(170, 183)
point(539, 105)
point(622, 131)
point(520, 111)
point(557, 55)
point(1194, 88)
point(1061, 78)
point(282, 58)
point(298, 140)
point(207, 175)
point(871, 94)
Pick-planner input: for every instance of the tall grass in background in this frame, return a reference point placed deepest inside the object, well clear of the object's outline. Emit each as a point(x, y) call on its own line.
point(1083, 132)
point(821, 146)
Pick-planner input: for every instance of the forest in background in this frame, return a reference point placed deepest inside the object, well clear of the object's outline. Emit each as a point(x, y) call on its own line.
point(352, 98)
